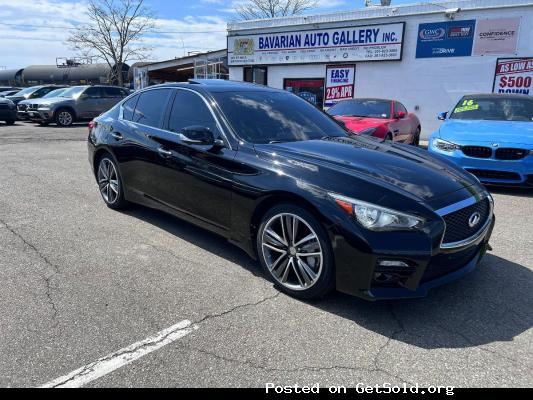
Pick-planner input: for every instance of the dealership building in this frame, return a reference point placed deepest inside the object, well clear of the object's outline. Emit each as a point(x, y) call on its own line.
point(424, 55)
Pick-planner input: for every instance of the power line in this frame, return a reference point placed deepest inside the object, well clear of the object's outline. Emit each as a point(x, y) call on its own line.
point(73, 28)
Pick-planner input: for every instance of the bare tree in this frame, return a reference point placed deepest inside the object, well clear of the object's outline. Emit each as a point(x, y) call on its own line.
point(114, 33)
point(259, 9)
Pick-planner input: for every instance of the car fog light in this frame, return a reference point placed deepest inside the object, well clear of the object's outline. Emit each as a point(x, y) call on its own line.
point(390, 263)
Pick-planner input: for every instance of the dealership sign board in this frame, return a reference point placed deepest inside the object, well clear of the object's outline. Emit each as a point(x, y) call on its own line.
point(496, 36)
point(340, 83)
point(514, 75)
point(361, 43)
point(445, 39)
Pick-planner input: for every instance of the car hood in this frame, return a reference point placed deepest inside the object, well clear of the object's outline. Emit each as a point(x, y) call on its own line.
point(481, 132)
point(358, 124)
point(399, 167)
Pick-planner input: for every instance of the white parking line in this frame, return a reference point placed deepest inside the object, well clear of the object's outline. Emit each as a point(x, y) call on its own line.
point(118, 359)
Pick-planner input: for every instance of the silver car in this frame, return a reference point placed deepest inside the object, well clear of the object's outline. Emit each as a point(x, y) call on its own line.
point(79, 103)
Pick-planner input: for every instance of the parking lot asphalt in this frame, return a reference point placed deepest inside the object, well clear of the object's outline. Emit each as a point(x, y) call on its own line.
point(80, 282)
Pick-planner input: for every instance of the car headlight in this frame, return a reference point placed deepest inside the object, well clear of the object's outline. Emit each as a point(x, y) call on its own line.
point(368, 132)
point(445, 145)
point(377, 218)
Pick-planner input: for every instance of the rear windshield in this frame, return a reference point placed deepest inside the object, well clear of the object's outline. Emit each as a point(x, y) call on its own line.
point(494, 108)
point(273, 117)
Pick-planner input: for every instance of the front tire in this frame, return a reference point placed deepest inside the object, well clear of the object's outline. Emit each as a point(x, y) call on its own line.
point(110, 183)
point(416, 139)
point(295, 252)
point(10, 122)
point(64, 117)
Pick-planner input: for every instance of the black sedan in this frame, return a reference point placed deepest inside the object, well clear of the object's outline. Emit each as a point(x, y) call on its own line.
point(8, 111)
point(320, 209)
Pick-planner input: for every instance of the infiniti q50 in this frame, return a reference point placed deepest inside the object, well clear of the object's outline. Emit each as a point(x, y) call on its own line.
point(318, 207)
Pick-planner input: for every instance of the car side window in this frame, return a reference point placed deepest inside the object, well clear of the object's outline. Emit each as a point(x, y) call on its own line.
point(188, 110)
point(151, 107)
point(399, 107)
point(128, 108)
point(94, 92)
point(112, 92)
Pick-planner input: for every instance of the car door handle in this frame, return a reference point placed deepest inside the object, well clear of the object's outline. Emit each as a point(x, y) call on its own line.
point(164, 152)
point(117, 136)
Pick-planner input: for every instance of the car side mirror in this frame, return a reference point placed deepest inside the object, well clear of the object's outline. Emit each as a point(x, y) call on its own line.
point(401, 115)
point(200, 136)
point(442, 116)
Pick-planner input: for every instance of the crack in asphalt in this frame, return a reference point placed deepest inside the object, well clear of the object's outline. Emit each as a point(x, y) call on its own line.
point(47, 279)
point(251, 364)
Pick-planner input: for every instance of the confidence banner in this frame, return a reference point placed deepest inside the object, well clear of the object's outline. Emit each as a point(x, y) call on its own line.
point(496, 36)
point(514, 75)
point(362, 43)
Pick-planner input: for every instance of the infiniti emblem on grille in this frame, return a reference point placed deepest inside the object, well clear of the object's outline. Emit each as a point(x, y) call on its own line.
point(495, 145)
point(474, 219)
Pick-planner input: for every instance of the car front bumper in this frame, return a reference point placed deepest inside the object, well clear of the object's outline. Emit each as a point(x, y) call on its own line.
point(428, 263)
point(491, 171)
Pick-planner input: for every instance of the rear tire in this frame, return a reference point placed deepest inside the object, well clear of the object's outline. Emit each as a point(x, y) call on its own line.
point(110, 183)
point(295, 252)
point(64, 117)
point(416, 139)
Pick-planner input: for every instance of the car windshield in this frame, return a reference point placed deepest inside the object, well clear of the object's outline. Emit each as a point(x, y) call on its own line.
point(369, 108)
point(54, 93)
point(73, 92)
point(275, 117)
point(497, 108)
point(26, 91)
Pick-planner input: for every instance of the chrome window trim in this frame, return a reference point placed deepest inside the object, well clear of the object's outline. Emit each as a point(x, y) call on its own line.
point(458, 206)
point(179, 135)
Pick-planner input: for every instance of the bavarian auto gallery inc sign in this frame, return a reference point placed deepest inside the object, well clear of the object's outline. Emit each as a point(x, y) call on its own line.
point(362, 43)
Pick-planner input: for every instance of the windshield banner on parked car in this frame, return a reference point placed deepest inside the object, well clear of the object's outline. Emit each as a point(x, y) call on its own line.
point(340, 83)
point(445, 39)
point(362, 43)
point(514, 75)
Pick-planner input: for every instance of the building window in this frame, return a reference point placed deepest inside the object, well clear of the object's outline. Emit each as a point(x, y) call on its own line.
point(310, 89)
point(256, 75)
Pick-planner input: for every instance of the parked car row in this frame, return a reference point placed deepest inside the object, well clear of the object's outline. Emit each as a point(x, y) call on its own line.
point(62, 105)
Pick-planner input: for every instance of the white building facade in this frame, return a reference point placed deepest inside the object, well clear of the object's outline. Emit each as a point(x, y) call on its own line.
point(425, 55)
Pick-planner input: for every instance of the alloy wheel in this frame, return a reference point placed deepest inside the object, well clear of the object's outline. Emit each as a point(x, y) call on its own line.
point(292, 251)
point(108, 181)
point(65, 118)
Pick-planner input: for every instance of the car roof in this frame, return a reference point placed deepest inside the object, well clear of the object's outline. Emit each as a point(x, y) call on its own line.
point(218, 85)
point(498, 95)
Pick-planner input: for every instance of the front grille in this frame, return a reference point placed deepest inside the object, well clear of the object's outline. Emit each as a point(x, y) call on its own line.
point(33, 106)
point(511, 154)
point(499, 175)
point(443, 264)
point(477, 151)
point(22, 107)
point(457, 223)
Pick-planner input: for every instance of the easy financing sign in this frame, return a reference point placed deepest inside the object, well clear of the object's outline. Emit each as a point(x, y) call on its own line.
point(362, 43)
point(340, 83)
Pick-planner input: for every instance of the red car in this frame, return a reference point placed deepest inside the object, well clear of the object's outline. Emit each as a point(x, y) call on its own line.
point(384, 119)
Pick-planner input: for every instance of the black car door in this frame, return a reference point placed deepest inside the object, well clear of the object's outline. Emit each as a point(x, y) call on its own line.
point(194, 179)
point(132, 141)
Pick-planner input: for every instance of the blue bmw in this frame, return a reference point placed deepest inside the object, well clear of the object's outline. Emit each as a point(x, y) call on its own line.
point(491, 136)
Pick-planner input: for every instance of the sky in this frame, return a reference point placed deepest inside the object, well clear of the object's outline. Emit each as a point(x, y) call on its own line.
point(35, 32)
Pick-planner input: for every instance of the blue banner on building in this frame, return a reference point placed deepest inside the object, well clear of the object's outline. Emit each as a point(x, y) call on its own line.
point(446, 39)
